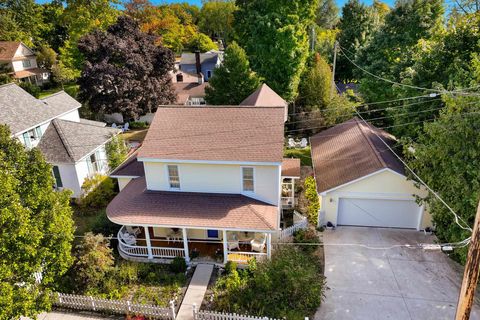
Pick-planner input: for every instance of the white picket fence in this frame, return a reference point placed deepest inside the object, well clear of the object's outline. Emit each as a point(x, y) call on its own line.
point(213, 315)
point(79, 302)
point(299, 222)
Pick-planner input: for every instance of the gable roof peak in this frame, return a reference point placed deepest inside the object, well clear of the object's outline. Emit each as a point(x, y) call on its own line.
point(264, 96)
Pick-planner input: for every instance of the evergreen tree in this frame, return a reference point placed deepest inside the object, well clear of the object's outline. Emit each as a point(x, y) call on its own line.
point(36, 230)
point(233, 81)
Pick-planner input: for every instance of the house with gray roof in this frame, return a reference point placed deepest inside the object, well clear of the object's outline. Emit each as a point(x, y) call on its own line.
point(201, 63)
point(74, 147)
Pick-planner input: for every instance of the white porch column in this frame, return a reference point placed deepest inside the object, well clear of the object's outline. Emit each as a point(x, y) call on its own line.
point(149, 244)
point(269, 245)
point(225, 247)
point(293, 192)
point(185, 245)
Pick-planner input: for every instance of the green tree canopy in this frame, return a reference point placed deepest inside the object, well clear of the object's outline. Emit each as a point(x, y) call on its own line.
point(315, 85)
point(274, 34)
point(447, 158)
point(37, 230)
point(216, 19)
point(326, 15)
point(233, 81)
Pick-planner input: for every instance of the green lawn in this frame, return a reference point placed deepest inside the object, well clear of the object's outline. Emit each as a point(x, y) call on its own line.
point(71, 89)
point(135, 135)
point(302, 154)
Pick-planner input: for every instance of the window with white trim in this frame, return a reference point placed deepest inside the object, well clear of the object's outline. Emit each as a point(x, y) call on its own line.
point(173, 176)
point(247, 179)
point(26, 63)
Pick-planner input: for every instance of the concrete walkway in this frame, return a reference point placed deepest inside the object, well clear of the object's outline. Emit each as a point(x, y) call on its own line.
point(195, 291)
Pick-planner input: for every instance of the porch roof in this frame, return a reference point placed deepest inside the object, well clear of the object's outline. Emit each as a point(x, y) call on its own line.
point(291, 167)
point(135, 205)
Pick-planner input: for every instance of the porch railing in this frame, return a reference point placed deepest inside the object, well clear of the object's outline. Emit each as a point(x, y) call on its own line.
point(287, 202)
point(242, 257)
point(299, 222)
point(142, 251)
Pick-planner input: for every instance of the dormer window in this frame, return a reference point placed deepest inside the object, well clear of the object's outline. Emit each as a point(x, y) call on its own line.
point(173, 177)
point(248, 180)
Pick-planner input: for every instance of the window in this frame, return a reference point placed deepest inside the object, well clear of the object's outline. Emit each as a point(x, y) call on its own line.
point(58, 178)
point(26, 63)
point(26, 140)
point(32, 137)
point(173, 177)
point(179, 77)
point(209, 74)
point(247, 175)
point(212, 234)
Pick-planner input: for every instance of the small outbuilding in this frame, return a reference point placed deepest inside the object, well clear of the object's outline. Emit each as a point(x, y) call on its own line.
point(361, 182)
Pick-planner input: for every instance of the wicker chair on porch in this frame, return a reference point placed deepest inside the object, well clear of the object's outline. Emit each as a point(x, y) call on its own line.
point(232, 242)
point(258, 243)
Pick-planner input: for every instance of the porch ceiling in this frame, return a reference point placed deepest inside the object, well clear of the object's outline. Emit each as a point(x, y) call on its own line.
point(135, 205)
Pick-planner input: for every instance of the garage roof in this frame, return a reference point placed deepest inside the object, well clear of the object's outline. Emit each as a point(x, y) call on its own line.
point(349, 151)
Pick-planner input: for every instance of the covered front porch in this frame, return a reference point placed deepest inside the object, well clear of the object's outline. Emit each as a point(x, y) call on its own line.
point(162, 244)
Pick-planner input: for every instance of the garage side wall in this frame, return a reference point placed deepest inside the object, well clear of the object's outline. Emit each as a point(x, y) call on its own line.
point(382, 185)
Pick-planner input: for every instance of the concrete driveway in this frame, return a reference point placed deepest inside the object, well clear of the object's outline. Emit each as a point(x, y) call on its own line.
point(397, 283)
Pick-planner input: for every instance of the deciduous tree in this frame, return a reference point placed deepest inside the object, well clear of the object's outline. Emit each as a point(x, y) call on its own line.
point(274, 33)
point(233, 81)
point(37, 230)
point(216, 19)
point(125, 71)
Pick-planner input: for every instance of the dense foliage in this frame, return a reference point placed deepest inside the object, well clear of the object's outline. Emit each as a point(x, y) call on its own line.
point(117, 151)
point(233, 81)
point(97, 190)
point(288, 286)
point(36, 230)
point(312, 197)
point(125, 71)
point(274, 35)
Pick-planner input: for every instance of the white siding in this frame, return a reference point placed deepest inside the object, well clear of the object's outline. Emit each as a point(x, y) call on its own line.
point(18, 65)
point(81, 168)
point(216, 178)
point(122, 182)
point(71, 116)
point(69, 178)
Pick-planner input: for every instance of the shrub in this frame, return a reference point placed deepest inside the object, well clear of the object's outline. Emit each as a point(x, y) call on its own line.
point(312, 198)
point(127, 272)
point(309, 238)
point(103, 225)
point(117, 151)
point(94, 261)
point(34, 90)
point(290, 286)
point(98, 190)
point(178, 265)
point(138, 125)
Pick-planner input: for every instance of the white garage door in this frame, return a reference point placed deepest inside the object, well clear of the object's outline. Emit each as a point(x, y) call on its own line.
point(378, 213)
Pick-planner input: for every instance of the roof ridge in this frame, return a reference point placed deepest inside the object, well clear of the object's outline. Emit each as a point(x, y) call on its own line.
point(63, 138)
point(54, 94)
point(258, 214)
point(8, 84)
point(370, 143)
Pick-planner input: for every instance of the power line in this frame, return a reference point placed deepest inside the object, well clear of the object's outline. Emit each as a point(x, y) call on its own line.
point(457, 218)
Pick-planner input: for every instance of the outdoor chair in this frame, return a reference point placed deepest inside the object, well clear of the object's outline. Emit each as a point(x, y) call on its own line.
point(292, 143)
point(114, 125)
point(128, 238)
point(232, 242)
point(258, 243)
point(133, 231)
point(303, 143)
point(126, 127)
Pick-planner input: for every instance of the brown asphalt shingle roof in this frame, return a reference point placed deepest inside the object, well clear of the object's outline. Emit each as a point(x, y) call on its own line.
point(264, 96)
point(130, 167)
point(136, 205)
point(68, 141)
point(349, 151)
point(8, 49)
point(185, 90)
point(215, 133)
point(291, 167)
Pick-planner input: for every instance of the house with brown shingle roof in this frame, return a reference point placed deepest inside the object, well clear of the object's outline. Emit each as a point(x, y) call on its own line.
point(74, 147)
point(361, 181)
point(22, 62)
point(206, 184)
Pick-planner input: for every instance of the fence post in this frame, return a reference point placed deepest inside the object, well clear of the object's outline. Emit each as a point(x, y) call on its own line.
point(128, 306)
point(59, 297)
point(172, 309)
point(93, 303)
point(195, 311)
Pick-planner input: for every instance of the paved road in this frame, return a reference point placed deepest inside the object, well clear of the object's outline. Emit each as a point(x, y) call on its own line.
point(398, 283)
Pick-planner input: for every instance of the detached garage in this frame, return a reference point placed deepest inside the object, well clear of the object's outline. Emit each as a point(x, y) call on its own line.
point(360, 182)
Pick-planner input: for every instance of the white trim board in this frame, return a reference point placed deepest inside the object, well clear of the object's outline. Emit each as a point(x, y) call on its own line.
point(242, 163)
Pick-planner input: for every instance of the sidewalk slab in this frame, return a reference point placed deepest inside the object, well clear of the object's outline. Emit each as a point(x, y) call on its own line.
point(195, 291)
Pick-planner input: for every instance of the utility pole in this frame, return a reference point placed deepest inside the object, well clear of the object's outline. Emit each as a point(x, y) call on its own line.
point(470, 275)
point(332, 89)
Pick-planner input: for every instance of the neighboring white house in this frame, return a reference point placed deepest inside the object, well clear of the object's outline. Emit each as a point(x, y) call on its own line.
point(75, 147)
point(206, 182)
point(22, 62)
point(360, 182)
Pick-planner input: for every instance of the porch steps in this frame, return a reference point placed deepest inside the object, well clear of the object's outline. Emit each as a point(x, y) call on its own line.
point(195, 291)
